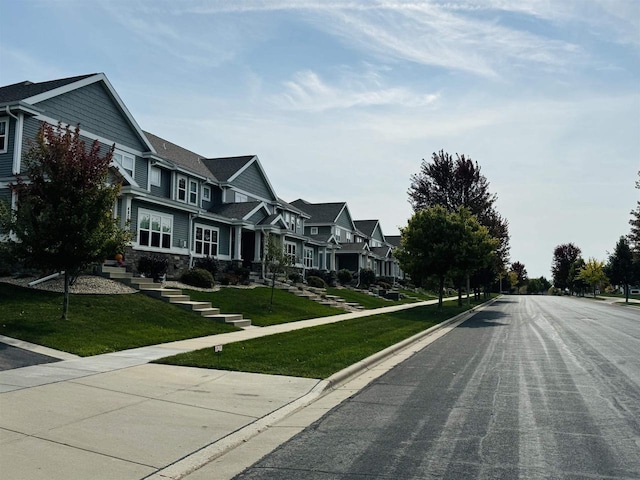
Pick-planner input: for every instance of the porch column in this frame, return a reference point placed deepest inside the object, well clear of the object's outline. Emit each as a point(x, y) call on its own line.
point(256, 250)
point(237, 243)
point(333, 260)
point(323, 264)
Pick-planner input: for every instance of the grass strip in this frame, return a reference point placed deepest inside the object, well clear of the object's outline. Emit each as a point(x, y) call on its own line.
point(97, 323)
point(367, 301)
point(319, 352)
point(255, 304)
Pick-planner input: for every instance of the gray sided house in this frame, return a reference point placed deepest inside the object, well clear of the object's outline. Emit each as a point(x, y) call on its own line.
point(181, 204)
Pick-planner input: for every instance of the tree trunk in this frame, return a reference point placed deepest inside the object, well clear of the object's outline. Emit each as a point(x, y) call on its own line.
point(65, 301)
point(626, 293)
point(440, 293)
point(273, 285)
point(468, 288)
point(459, 293)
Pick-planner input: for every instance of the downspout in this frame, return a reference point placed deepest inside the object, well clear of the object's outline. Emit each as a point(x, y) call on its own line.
point(191, 217)
point(17, 144)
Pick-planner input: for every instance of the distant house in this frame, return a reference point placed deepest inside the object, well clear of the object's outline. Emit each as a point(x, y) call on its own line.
point(182, 204)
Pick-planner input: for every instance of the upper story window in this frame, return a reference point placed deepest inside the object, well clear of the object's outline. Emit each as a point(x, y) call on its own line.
point(292, 222)
point(4, 135)
point(338, 233)
point(125, 160)
point(314, 230)
point(206, 193)
point(193, 192)
point(240, 197)
point(181, 193)
point(155, 177)
point(347, 235)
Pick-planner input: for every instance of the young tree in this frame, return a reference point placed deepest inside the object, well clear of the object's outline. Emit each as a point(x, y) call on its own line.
point(275, 259)
point(563, 257)
point(63, 219)
point(521, 274)
point(593, 274)
point(621, 269)
point(457, 182)
point(576, 283)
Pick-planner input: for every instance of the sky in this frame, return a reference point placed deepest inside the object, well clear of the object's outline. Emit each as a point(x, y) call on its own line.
point(342, 100)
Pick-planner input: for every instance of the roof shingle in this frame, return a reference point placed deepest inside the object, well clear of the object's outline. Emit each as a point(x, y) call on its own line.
point(26, 89)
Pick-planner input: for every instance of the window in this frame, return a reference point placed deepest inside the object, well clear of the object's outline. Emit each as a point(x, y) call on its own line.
point(292, 222)
point(182, 189)
point(193, 192)
point(308, 257)
point(338, 233)
point(125, 160)
point(156, 176)
point(347, 235)
point(206, 194)
point(154, 229)
point(4, 135)
point(240, 197)
point(205, 241)
point(290, 252)
point(314, 230)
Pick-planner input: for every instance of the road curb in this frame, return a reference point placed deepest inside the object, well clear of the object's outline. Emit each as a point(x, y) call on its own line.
point(199, 458)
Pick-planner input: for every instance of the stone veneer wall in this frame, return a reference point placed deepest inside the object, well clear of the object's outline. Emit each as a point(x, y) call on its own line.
point(177, 263)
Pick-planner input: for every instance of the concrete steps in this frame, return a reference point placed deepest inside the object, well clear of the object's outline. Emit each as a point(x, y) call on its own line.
point(173, 296)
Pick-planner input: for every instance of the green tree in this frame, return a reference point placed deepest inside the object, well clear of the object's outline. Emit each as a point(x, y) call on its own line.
point(521, 278)
point(458, 182)
point(593, 274)
point(63, 220)
point(276, 260)
point(621, 269)
point(634, 235)
point(440, 244)
point(576, 283)
point(563, 257)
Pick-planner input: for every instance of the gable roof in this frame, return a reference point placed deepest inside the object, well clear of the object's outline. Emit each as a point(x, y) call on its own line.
point(28, 89)
point(225, 168)
point(366, 226)
point(33, 93)
point(235, 210)
point(393, 240)
point(320, 212)
point(179, 155)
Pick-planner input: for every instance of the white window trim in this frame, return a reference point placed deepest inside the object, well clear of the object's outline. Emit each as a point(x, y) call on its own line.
point(314, 231)
point(308, 256)
point(155, 171)
point(127, 155)
point(178, 189)
point(217, 242)
point(206, 193)
point(240, 197)
point(190, 192)
point(5, 120)
point(293, 255)
point(141, 213)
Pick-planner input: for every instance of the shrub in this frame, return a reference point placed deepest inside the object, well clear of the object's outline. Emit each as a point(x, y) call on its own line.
point(153, 266)
point(224, 280)
point(385, 285)
point(367, 277)
point(316, 282)
point(210, 264)
point(295, 277)
point(197, 277)
point(344, 276)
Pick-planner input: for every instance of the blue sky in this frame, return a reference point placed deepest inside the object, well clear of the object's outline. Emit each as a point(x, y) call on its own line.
point(341, 100)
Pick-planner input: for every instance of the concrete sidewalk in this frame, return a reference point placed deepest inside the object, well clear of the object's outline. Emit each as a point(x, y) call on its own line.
point(114, 416)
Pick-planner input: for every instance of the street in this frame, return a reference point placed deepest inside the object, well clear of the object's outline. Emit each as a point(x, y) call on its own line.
point(531, 387)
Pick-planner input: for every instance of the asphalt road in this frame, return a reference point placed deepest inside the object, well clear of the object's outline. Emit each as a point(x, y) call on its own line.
point(14, 357)
point(530, 388)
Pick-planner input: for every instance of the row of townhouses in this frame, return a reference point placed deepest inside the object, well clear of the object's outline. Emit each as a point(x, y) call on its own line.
point(184, 205)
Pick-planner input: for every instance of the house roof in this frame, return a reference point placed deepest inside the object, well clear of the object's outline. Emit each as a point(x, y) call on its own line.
point(234, 210)
point(393, 240)
point(366, 226)
point(27, 89)
point(179, 155)
point(381, 251)
point(288, 206)
point(226, 167)
point(353, 247)
point(320, 212)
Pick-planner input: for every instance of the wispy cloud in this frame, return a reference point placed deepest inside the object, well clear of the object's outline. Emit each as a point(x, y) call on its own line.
point(308, 92)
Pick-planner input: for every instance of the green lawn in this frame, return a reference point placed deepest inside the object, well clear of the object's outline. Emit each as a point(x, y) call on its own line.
point(319, 352)
point(619, 295)
point(420, 294)
point(97, 323)
point(367, 301)
point(255, 304)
